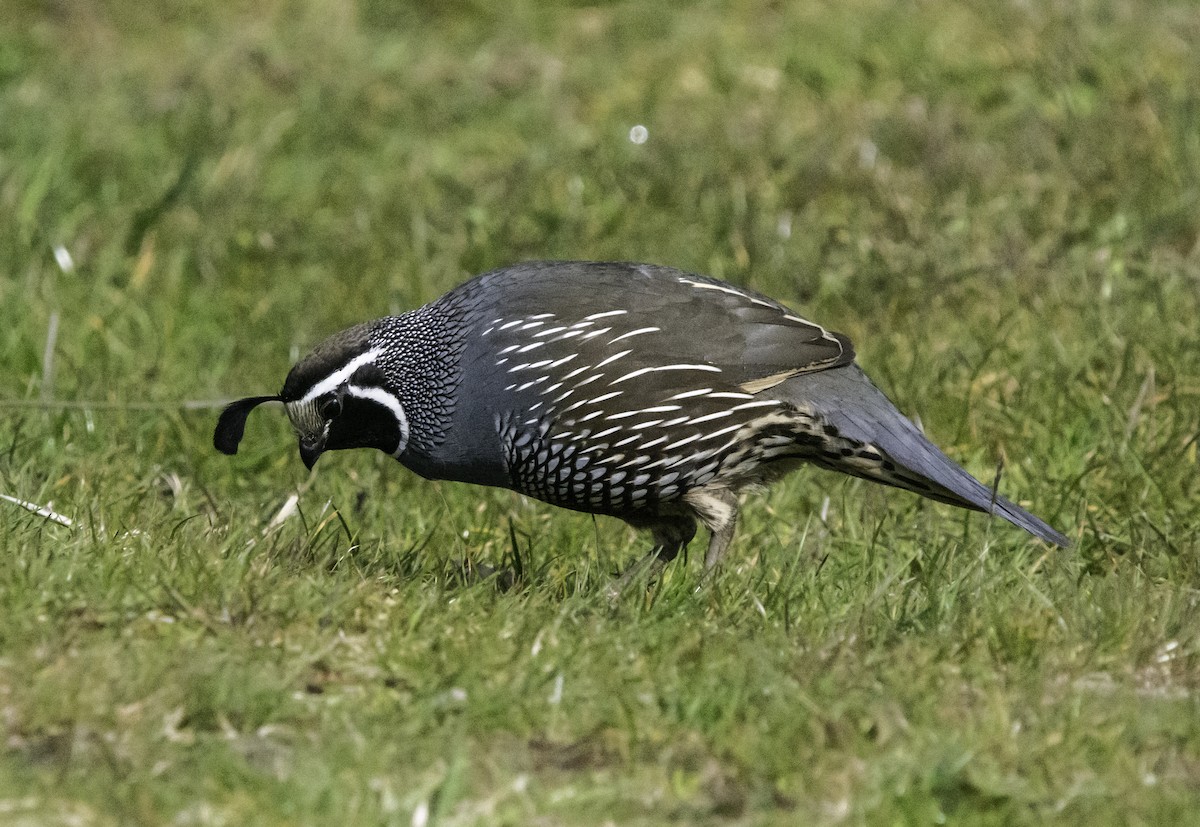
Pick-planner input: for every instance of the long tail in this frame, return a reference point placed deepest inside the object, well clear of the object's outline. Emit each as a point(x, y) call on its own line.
point(891, 450)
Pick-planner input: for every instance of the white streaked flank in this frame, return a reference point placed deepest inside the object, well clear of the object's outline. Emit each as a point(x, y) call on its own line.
point(643, 371)
point(680, 443)
point(722, 432)
point(733, 291)
point(710, 417)
point(655, 409)
point(576, 372)
point(690, 394)
point(762, 403)
point(529, 366)
point(613, 358)
point(550, 331)
point(637, 332)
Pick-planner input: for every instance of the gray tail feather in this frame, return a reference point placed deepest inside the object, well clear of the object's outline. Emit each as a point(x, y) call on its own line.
point(846, 399)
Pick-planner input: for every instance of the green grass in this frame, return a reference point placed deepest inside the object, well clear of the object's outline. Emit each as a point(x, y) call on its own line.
point(999, 203)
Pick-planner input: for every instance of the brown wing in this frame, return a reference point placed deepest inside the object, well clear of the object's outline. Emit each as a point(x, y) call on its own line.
point(663, 317)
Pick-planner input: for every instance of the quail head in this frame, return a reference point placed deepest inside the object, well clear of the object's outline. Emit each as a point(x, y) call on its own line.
point(631, 390)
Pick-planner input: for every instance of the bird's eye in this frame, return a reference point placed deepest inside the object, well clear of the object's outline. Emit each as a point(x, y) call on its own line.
point(331, 407)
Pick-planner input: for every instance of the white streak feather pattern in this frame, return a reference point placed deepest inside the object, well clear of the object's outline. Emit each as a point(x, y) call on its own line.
point(642, 371)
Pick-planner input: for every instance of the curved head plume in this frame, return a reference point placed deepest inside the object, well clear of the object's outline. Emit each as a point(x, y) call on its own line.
point(336, 397)
point(231, 426)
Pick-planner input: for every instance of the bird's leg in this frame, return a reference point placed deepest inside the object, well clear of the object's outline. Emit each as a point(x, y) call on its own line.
point(671, 534)
point(717, 507)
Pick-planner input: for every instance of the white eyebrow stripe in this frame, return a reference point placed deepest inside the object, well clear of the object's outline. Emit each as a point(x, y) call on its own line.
point(595, 316)
point(335, 379)
point(381, 397)
point(641, 371)
point(637, 332)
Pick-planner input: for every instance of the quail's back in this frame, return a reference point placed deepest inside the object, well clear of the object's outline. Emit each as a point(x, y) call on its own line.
point(630, 390)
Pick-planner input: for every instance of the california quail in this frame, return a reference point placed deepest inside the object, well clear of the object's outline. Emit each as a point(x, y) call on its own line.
point(631, 390)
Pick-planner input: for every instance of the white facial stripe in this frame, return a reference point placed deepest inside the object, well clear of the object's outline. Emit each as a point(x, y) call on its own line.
point(335, 379)
point(381, 397)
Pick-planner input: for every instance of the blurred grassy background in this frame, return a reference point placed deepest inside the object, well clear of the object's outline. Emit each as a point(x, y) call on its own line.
point(999, 203)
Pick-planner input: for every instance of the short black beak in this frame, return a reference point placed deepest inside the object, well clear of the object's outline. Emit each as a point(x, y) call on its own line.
point(310, 453)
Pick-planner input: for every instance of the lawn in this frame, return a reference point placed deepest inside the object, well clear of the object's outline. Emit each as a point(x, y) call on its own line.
point(998, 202)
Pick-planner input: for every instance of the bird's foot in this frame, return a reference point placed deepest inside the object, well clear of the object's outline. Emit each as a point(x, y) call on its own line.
point(644, 571)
